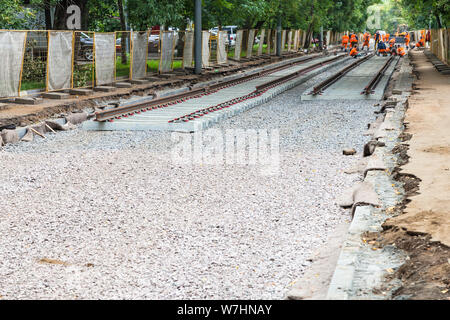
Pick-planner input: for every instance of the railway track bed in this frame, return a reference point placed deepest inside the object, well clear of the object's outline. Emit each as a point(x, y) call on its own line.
point(202, 107)
point(372, 74)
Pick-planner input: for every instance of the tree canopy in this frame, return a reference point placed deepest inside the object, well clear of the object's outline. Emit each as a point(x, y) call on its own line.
point(340, 15)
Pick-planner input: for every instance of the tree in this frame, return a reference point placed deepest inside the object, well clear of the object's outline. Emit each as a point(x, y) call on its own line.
point(13, 15)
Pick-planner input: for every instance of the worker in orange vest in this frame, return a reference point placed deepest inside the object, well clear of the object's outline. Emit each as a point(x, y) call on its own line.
point(366, 41)
point(391, 43)
point(353, 40)
point(401, 51)
point(381, 48)
point(421, 42)
point(354, 52)
point(345, 39)
point(387, 37)
point(407, 39)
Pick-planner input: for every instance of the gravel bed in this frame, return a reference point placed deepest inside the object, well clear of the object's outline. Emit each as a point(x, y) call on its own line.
point(119, 219)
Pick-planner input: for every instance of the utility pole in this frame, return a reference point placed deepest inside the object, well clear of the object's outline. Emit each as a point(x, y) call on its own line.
point(279, 32)
point(321, 39)
point(198, 37)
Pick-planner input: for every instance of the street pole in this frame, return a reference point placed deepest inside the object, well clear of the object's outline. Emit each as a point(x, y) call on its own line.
point(321, 39)
point(279, 36)
point(198, 37)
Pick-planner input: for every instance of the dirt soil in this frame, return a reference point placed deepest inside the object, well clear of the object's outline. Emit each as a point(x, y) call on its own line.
point(421, 226)
point(427, 120)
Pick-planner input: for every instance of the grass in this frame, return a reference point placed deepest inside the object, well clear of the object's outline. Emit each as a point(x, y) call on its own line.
point(152, 66)
point(83, 74)
point(31, 85)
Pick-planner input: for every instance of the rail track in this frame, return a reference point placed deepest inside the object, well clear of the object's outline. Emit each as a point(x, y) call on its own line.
point(124, 112)
point(334, 78)
point(370, 88)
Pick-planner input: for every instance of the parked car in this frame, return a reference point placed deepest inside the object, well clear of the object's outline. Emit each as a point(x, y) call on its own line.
point(37, 44)
point(231, 34)
point(87, 47)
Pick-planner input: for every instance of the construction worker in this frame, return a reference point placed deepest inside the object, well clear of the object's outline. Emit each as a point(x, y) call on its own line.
point(407, 39)
point(391, 43)
point(377, 38)
point(345, 40)
point(387, 37)
point(354, 52)
point(420, 43)
point(353, 40)
point(401, 51)
point(381, 48)
point(366, 41)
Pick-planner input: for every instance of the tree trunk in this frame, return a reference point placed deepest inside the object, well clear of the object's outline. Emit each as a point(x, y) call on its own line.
point(310, 28)
point(123, 41)
point(48, 18)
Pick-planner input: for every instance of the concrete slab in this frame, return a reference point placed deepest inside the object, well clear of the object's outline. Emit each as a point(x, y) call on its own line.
point(28, 100)
point(140, 81)
point(56, 95)
point(352, 84)
point(104, 89)
point(123, 85)
point(81, 92)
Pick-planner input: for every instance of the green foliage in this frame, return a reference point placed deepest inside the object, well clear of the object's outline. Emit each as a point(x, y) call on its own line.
point(13, 15)
point(82, 75)
point(420, 13)
point(34, 71)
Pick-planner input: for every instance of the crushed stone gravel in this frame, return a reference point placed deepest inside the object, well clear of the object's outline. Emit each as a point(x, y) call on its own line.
point(87, 215)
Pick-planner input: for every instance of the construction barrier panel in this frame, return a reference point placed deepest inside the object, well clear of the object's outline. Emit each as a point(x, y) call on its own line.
point(274, 42)
point(139, 53)
point(269, 41)
point(188, 51)
point(250, 42)
point(222, 54)
point(105, 58)
point(295, 45)
point(440, 39)
point(206, 49)
point(283, 41)
point(289, 42)
point(238, 45)
point(12, 51)
point(167, 51)
point(261, 42)
point(60, 60)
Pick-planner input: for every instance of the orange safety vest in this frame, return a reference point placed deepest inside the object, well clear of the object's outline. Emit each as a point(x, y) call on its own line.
point(354, 52)
point(353, 38)
point(401, 51)
point(367, 37)
point(391, 42)
point(387, 36)
point(345, 38)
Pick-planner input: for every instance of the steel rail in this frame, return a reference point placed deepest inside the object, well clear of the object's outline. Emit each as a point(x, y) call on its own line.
point(328, 82)
point(256, 93)
point(125, 111)
point(369, 89)
point(296, 74)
